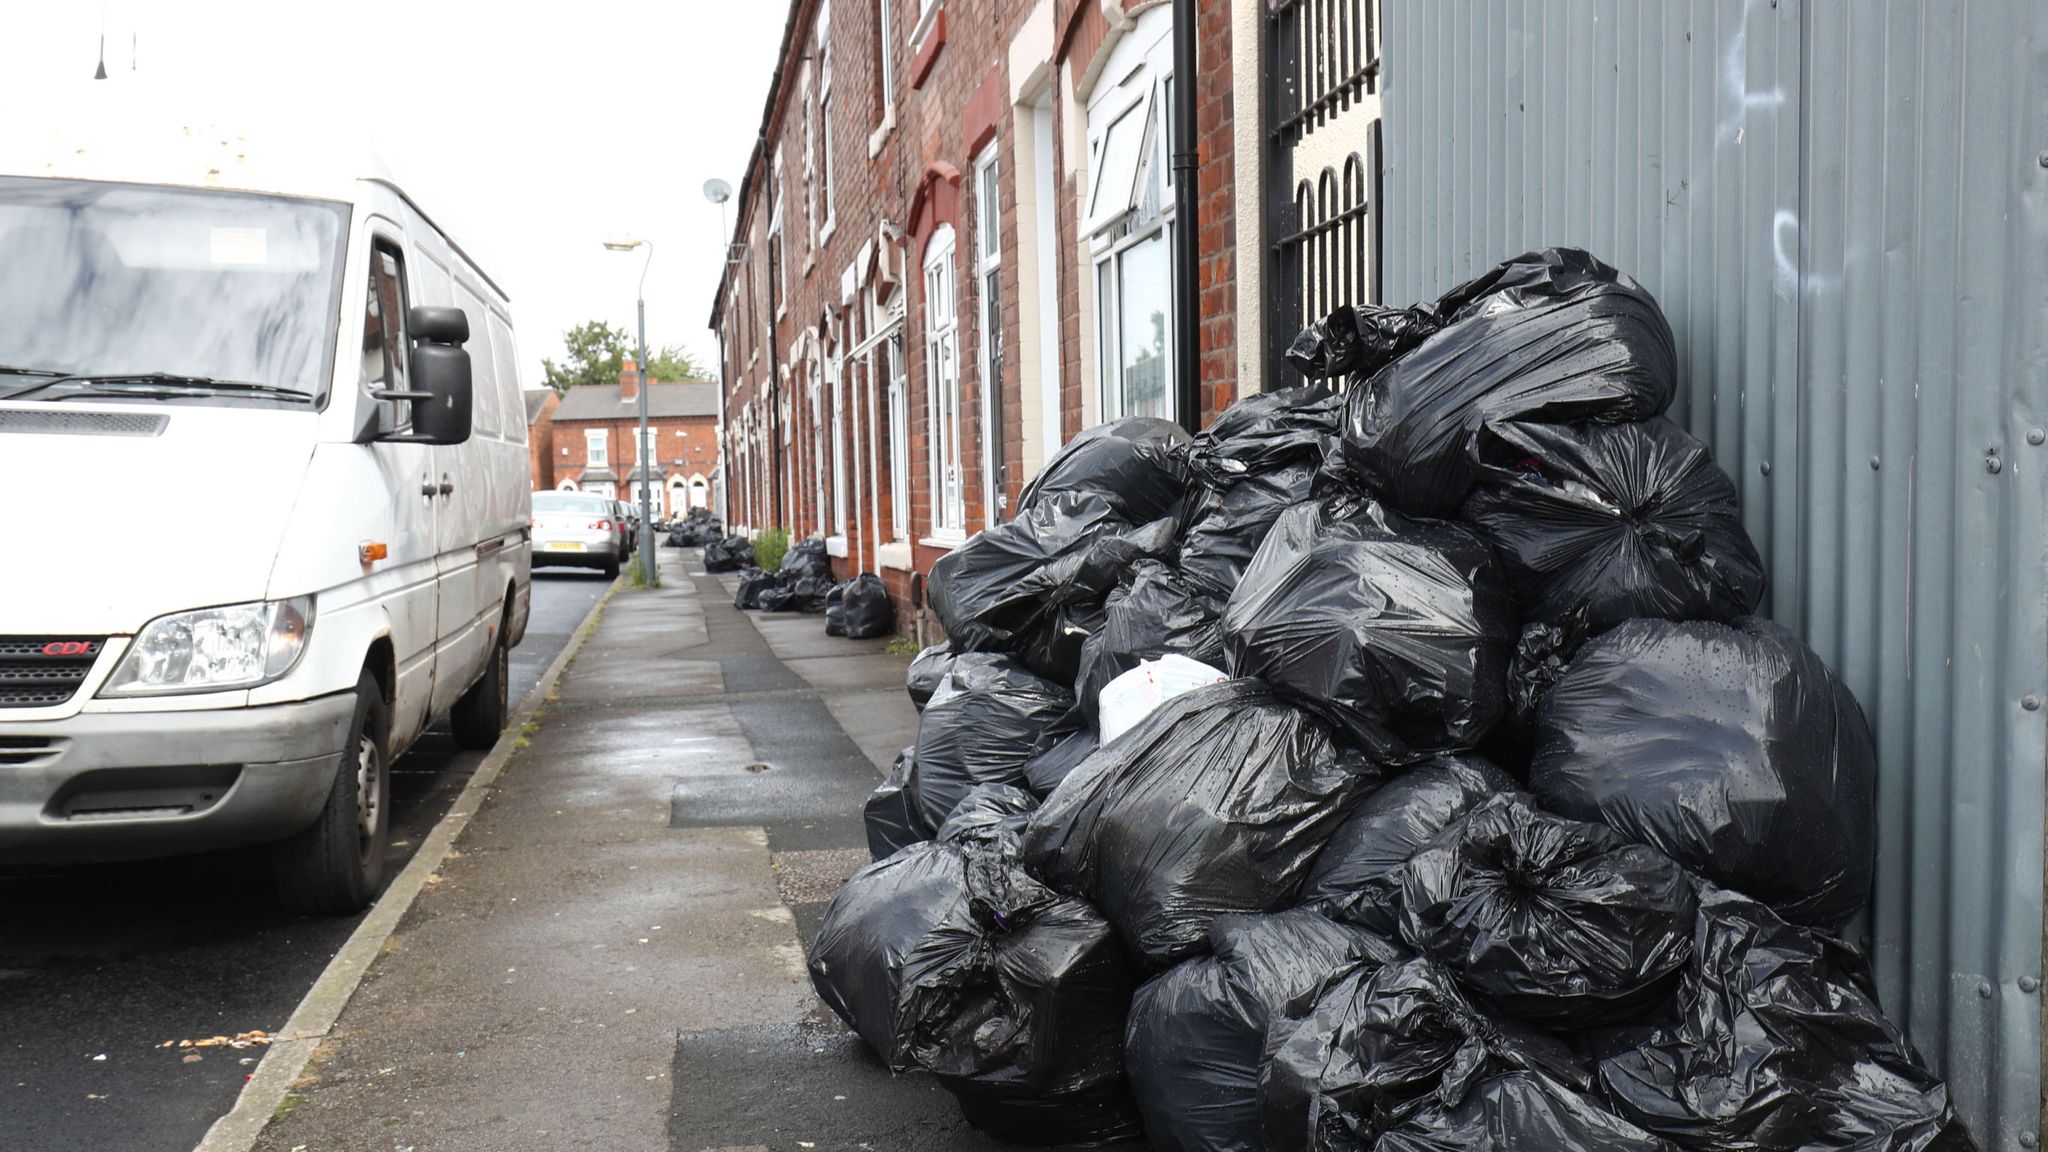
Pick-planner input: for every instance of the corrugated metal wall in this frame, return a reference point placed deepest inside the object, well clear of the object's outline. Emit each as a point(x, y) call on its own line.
point(1843, 207)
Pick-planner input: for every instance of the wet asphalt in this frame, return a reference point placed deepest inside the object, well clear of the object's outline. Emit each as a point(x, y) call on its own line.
point(100, 966)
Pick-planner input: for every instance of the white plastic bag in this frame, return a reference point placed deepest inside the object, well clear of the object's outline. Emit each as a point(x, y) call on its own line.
point(1132, 696)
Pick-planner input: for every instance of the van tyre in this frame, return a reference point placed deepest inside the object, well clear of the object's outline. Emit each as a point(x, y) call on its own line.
point(334, 867)
point(479, 716)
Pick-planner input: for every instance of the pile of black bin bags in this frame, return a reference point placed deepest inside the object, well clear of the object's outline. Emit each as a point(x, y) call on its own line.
point(1513, 829)
point(859, 609)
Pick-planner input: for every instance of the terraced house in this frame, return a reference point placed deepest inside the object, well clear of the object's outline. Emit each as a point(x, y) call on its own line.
point(966, 233)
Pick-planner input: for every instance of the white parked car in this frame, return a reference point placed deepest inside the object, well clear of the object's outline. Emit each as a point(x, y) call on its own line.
point(309, 395)
point(577, 529)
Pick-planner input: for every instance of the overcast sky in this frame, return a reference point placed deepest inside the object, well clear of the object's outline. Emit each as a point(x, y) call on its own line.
point(576, 121)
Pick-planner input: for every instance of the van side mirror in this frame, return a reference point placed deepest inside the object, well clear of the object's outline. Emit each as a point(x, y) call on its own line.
point(441, 389)
point(440, 368)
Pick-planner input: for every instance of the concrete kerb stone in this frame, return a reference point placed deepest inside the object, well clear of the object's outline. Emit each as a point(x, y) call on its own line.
point(291, 1050)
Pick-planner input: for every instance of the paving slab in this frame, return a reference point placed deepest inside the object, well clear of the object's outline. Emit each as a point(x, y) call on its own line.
point(613, 955)
point(880, 721)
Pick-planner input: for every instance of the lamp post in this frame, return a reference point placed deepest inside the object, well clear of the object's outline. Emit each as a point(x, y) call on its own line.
point(718, 192)
point(646, 466)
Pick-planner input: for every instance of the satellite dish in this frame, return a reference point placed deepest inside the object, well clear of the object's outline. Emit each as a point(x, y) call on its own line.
point(717, 191)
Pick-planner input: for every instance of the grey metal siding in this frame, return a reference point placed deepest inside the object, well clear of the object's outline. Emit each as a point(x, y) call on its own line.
point(1843, 208)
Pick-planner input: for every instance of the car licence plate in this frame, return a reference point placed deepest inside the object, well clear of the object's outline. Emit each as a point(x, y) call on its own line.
point(563, 546)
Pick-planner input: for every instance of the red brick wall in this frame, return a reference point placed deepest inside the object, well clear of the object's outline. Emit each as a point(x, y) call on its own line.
point(960, 99)
point(540, 443)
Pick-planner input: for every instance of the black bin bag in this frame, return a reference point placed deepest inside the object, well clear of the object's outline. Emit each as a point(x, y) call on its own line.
point(1398, 630)
point(992, 593)
point(1379, 1046)
point(807, 558)
point(1780, 1044)
point(1043, 772)
point(1553, 336)
point(1259, 458)
point(1154, 612)
point(1137, 464)
point(948, 958)
point(753, 582)
point(1615, 521)
point(993, 815)
point(866, 609)
point(1730, 747)
point(1556, 922)
point(1196, 1039)
point(1353, 341)
point(989, 720)
point(1520, 1112)
point(835, 611)
point(1357, 877)
point(928, 669)
point(1215, 803)
point(728, 555)
point(891, 816)
point(811, 594)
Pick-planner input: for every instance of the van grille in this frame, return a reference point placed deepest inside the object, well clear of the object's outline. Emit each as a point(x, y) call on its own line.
point(42, 671)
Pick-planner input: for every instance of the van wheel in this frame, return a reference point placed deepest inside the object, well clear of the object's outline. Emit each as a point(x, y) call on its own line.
point(479, 716)
point(334, 867)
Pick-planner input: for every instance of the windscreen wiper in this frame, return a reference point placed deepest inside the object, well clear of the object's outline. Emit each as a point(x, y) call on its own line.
point(50, 374)
point(155, 385)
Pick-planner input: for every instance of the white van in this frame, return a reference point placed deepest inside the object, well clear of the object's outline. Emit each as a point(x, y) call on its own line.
point(264, 503)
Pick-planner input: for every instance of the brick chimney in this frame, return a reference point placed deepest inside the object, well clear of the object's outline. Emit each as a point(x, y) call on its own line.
point(629, 381)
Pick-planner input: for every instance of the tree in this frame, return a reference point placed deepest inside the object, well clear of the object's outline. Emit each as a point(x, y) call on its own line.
point(673, 362)
point(597, 351)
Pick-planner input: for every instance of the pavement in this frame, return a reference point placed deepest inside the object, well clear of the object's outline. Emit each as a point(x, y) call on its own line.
point(99, 966)
point(613, 953)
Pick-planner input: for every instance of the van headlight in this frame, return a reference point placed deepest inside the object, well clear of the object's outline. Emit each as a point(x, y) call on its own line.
point(238, 646)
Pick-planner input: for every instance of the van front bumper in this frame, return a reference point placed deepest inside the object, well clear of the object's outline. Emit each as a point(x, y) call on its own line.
point(135, 785)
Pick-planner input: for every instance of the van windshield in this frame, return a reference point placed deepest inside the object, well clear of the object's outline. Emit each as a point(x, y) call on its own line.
point(128, 291)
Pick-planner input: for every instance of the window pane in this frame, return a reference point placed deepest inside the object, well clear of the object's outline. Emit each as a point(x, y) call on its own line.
point(1146, 301)
point(1119, 167)
point(1105, 331)
point(990, 212)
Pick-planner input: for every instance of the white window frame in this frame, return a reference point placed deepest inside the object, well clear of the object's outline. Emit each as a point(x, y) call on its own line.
point(927, 14)
point(988, 252)
point(1048, 275)
point(810, 177)
point(942, 386)
point(824, 40)
point(597, 449)
point(778, 268)
point(648, 447)
point(1116, 227)
point(899, 437)
point(835, 380)
point(885, 20)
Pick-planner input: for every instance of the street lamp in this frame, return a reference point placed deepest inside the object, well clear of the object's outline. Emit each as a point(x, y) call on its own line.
point(627, 244)
point(718, 192)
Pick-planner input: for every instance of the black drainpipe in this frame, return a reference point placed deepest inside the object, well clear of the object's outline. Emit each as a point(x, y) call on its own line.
point(1187, 342)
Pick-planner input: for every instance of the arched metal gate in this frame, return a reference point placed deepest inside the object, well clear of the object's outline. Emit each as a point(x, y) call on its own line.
point(1321, 125)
